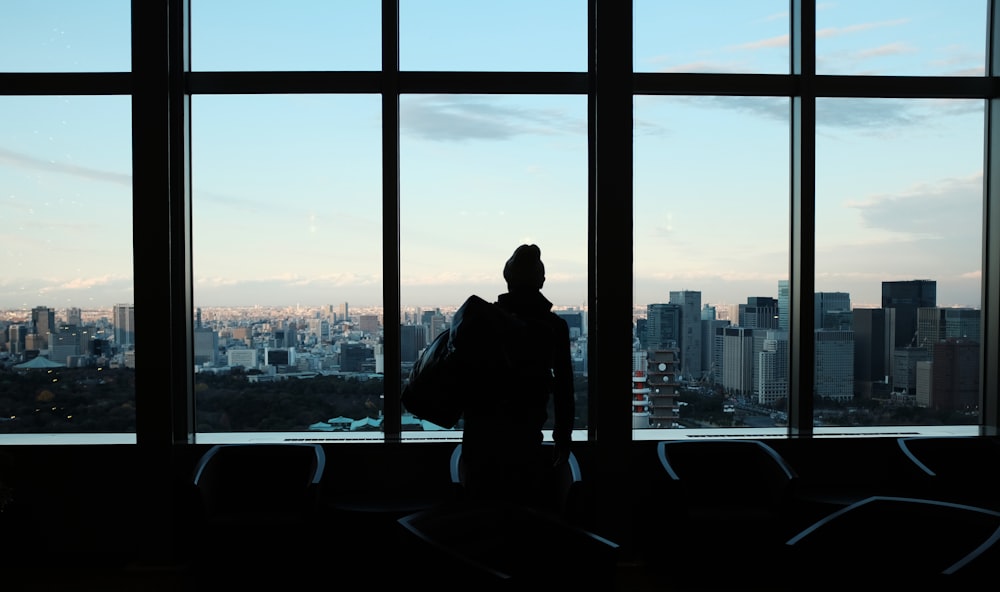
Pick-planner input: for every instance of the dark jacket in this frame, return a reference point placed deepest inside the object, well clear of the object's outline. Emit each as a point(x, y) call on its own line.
point(508, 412)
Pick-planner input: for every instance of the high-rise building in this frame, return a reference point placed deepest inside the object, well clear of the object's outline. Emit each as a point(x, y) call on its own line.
point(368, 323)
point(760, 312)
point(784, 296)
point(74, 316)
point(662, 382)
point(772, 368)
point(871, 362)
point(123, 317)
point(832, 310)
point(412, 341)
point(206, 346)
point(737, 359)
point(904, 369)
point(16, 338)
point(575, 320)
point(689, 343)
point(935, 324)
point(905, 297)
point(663, 327)
point(954, 375)
point(834, 365)
point(43, 322)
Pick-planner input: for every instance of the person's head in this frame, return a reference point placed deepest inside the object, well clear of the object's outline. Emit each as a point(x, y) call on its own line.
point(524, 270)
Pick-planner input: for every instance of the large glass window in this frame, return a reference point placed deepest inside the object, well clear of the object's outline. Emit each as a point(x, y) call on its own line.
point(65, 36)
point(262, 35)
point(732, 36)
point(517, 35)
point(287, 245)
point(711, 257)
point(899, 188)
point(312, 213)
point(480, 175)
point(67, 354)
point(901, 38)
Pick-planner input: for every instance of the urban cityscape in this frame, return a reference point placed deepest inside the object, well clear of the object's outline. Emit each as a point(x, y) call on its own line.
point(695, 364)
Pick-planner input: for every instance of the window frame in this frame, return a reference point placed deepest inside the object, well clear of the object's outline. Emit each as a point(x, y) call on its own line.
point(161, 84)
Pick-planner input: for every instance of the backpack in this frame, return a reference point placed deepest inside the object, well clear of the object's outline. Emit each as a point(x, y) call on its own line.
point(483, 339)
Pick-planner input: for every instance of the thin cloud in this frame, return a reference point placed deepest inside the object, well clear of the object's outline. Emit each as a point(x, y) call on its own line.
point(779, 41)
point(942, 210)
point(26, 161)
point(890, 49)
point(445, 118)
point(831, 32)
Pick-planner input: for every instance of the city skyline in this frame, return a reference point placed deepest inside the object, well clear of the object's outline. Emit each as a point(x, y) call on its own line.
point(286, 193)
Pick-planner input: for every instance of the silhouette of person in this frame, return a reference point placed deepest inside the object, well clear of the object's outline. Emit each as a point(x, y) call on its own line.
point(502, 451)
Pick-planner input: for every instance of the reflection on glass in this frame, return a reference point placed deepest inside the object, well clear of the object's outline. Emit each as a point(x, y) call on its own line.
point(286, 210)
point(66, 36)
point(901, 37)
point(734, 36)
point(516, 35)
point(899, 189)
point(67, 350)
point(711, 260)
point(239, 35)
point(480, 175)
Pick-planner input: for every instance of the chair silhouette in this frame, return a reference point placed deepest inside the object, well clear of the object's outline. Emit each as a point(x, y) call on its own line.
point(497, 545)
point(961, 469)
point(728, 480)
point(562, 490)
point(257, 504)
point(899, 539)
point(718, 490)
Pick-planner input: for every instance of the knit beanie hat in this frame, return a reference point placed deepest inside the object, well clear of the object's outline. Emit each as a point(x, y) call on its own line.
point(524, 269)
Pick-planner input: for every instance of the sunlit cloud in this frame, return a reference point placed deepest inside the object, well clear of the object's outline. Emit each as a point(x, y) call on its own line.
point(25, 161)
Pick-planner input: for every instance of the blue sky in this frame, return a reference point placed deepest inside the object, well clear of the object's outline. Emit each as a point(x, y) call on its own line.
point(287, 189)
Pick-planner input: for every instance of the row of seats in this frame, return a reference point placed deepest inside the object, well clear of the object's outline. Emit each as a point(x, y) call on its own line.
point(724, 510)
point(740, 513)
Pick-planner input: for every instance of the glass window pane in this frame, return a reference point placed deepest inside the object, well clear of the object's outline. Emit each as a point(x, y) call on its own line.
point(899, 188)
point(480, 175)
point(901, 37)
point(711, 260)
point(301, 35)
point(67, 349)
point(287, 258)
point(734, 36)
point(517, 35)
point(66, 36)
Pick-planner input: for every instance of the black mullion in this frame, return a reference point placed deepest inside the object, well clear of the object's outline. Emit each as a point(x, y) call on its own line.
point(989, 374)
point(802, 272)
point(181, 309)
point(611, 268)
point(391, 300)
point(68, 83)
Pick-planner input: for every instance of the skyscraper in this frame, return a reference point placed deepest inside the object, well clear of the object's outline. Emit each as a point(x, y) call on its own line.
point(905, 297)
point(832, 310)
point(760, 312)
point(783, 299)
point(43, 322)
point(870, 356)
point(123, 317)
point(663, 327)
point(689, 344)
point(772, 368)
point(834, 364)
